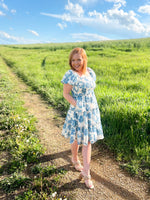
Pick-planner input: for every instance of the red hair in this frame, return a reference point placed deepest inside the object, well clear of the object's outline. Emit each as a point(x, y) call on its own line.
point(84, 56)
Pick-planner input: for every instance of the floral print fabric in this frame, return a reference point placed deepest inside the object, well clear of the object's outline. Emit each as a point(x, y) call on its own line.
point(83, 121)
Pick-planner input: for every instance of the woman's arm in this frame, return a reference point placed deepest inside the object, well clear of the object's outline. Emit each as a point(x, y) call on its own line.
point(66, 93)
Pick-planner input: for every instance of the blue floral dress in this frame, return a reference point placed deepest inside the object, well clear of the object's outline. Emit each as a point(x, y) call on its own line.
point(83, 122)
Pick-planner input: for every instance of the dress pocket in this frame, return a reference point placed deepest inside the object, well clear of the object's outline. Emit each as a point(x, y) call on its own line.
point(72, 107)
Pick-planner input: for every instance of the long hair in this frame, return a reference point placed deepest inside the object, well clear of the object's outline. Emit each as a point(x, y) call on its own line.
point(84, 56)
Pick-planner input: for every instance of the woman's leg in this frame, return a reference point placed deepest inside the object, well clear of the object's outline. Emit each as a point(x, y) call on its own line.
point(86, 153)
point(75, 161)
point(74, 151)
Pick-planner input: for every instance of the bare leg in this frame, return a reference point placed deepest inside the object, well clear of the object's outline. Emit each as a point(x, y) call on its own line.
point(75, 161)
point(86, 153)
point(74, 151)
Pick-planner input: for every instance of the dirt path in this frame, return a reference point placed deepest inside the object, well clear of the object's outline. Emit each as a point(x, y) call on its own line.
point(111, 183)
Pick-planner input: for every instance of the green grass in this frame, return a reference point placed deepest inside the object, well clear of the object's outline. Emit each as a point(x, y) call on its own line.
point(20, 147)
point(123, 89)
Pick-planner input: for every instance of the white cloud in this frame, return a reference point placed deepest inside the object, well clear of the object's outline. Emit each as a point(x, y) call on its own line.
point(7, 37)
point(2, 14)
point(4, 34)
point(99, 16)
point(10, 39)
point(33, 32)
point(4, 6)
point(88, 36)
point(62, 25)
point(144, 9)
point(127, 20)
point(118, 18)
point(13, 11)
point(87, 1)
point(122, 2)
point(121, 17)
point(74, 9)
point(64, 17)
point(83, 1)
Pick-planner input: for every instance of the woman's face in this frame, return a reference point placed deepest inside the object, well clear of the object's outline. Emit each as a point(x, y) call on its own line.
point(77, 62)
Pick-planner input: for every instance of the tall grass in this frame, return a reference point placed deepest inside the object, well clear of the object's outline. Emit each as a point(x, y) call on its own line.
point(123, 89)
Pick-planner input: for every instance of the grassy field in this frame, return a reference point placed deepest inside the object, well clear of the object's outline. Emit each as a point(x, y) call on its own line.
point(123, 89)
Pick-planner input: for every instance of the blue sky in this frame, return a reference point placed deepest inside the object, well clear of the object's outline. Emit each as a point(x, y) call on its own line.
point(56, 21)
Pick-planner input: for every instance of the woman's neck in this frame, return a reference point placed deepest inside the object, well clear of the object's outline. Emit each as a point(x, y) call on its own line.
point(80, 73)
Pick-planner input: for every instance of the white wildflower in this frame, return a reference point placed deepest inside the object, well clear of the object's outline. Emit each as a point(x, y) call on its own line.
point(54, 194)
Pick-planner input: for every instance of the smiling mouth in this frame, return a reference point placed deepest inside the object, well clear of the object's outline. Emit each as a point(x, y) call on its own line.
point(77, 66)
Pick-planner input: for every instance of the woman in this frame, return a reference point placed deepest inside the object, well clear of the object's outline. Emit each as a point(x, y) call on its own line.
point(83, 123)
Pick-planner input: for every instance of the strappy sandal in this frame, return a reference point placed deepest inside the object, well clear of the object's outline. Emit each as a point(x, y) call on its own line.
point(87, 180)
point(77, 165)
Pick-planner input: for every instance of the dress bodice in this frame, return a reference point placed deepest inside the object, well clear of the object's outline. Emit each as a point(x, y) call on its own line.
point(82, 89)
point(83, 86)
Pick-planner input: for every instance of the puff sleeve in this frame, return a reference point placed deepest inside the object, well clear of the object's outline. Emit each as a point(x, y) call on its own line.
point(69, 78)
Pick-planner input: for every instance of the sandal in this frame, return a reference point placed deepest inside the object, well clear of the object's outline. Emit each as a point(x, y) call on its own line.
point(87, 180)
point(77, 165)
